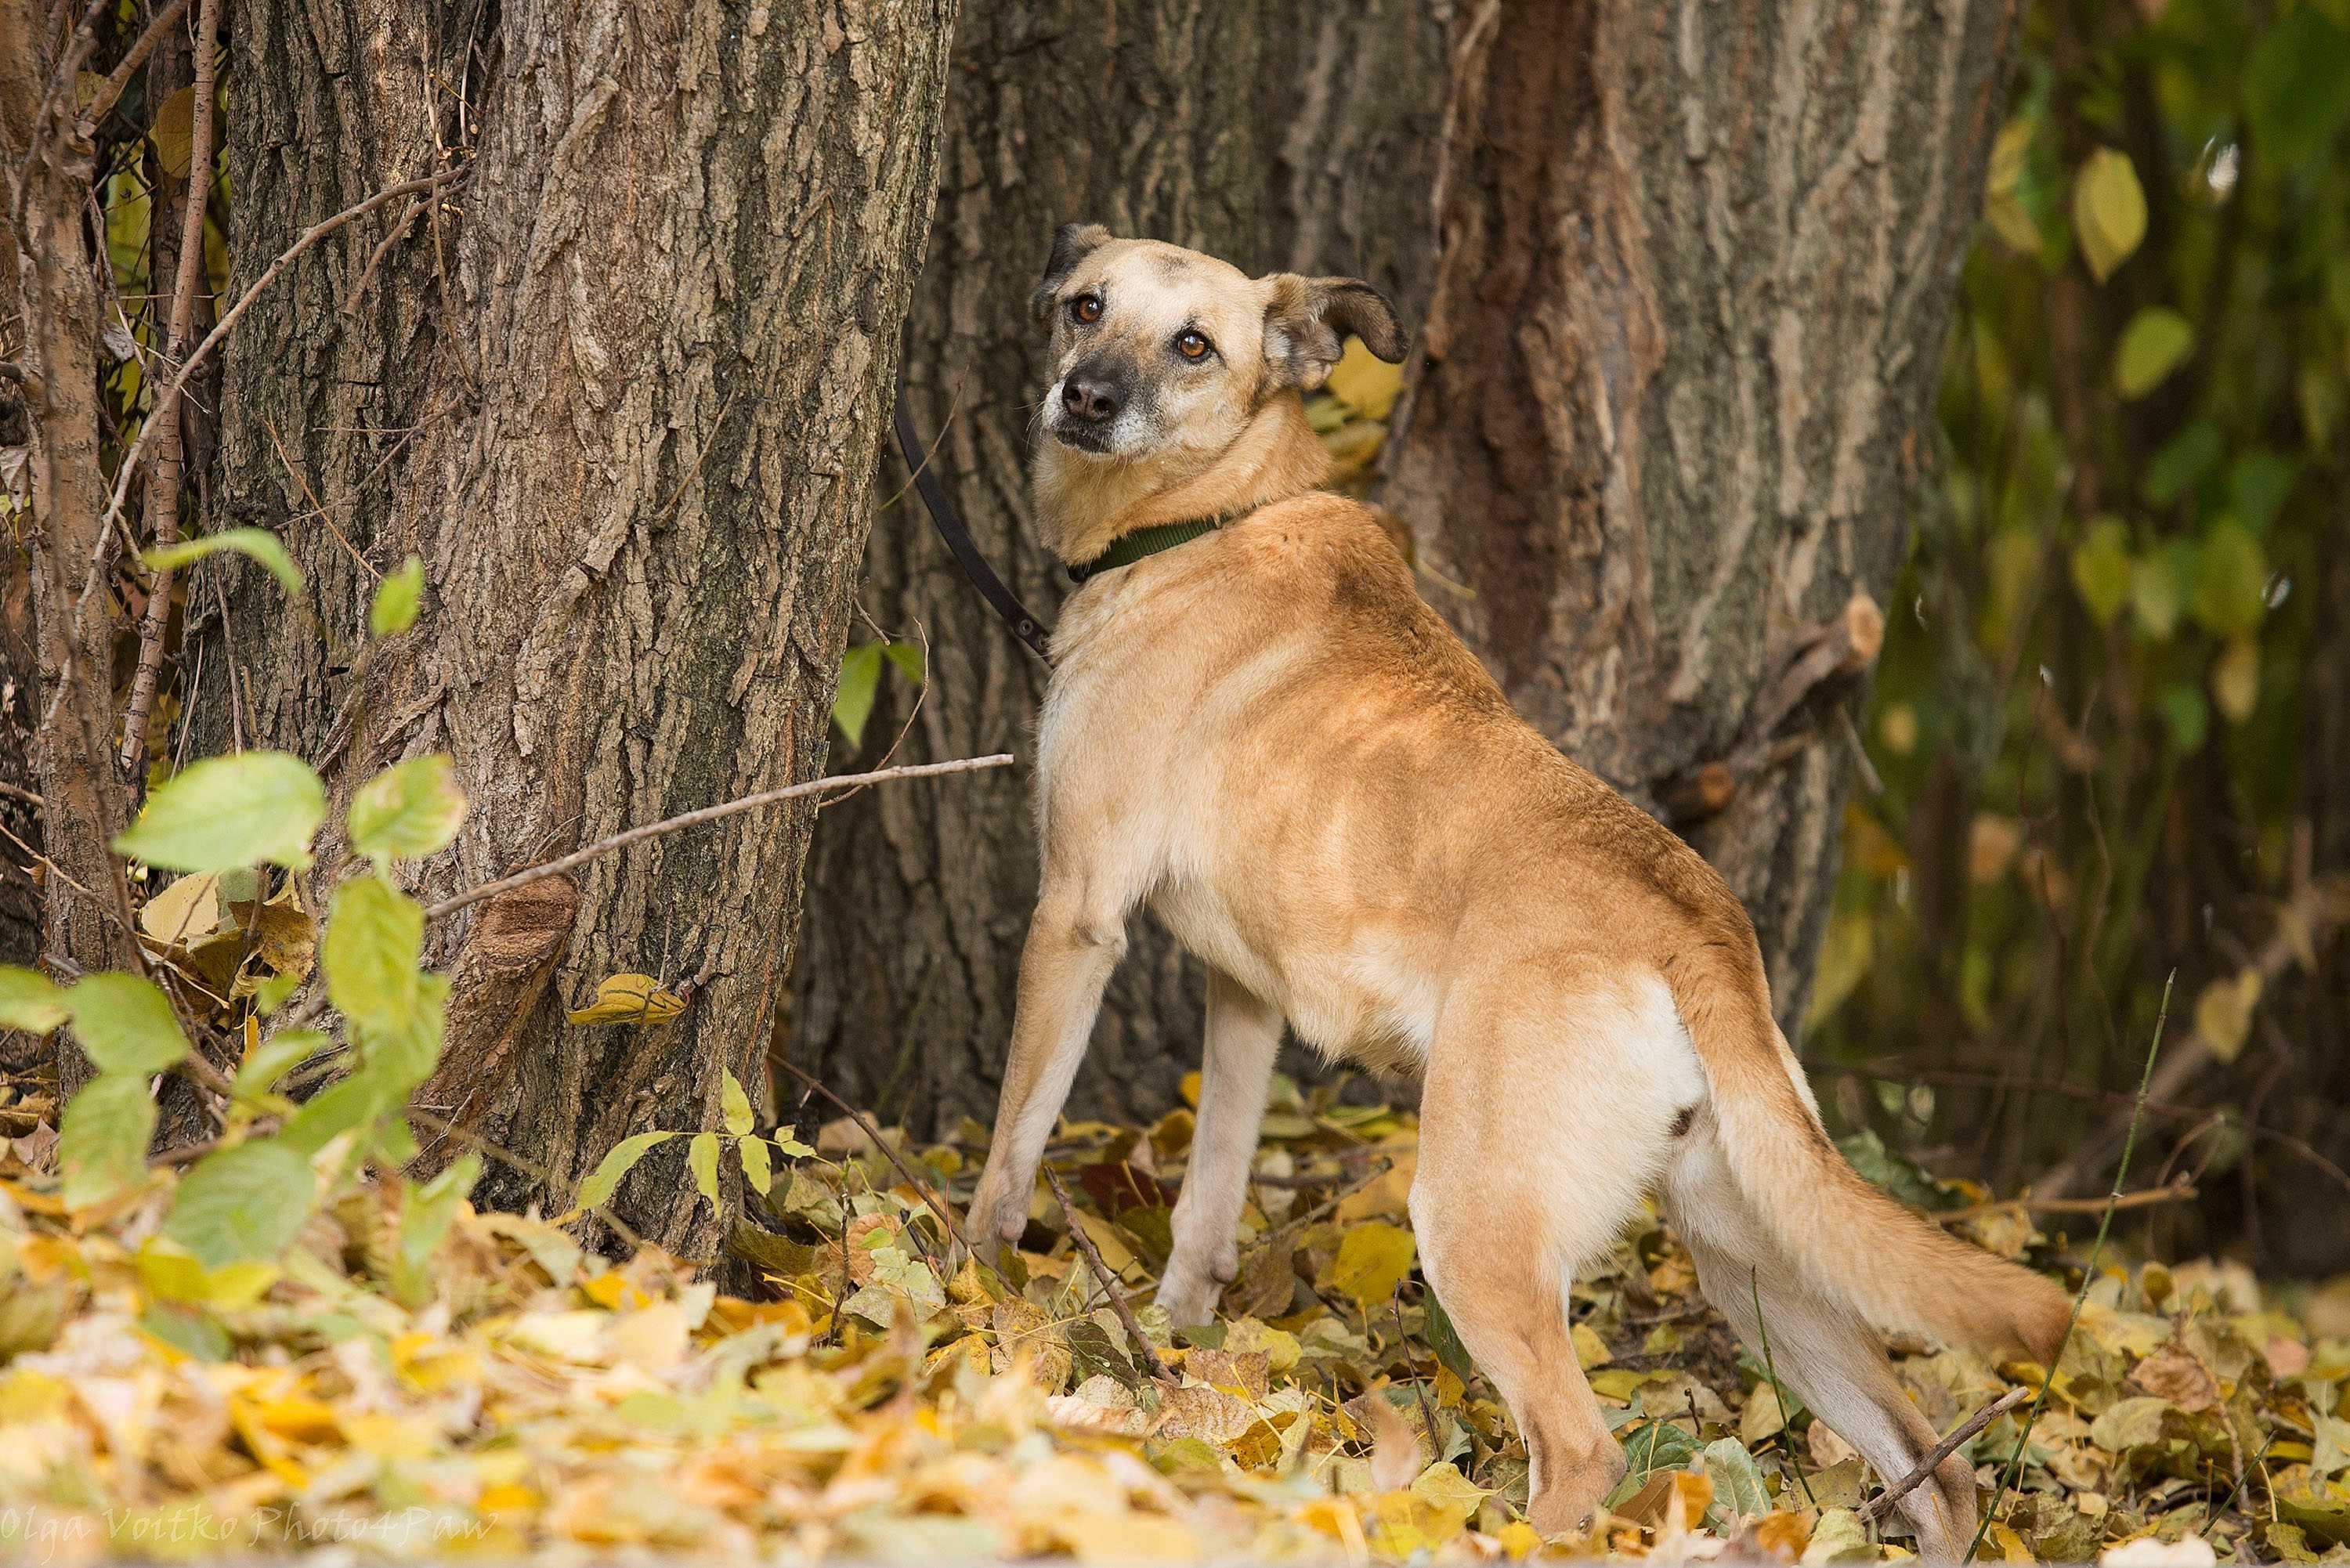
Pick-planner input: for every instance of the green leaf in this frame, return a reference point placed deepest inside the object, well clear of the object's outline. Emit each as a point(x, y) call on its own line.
point(102, 1141)
point(397, 599)
point(2184, 461)
point(2108, 211)
point(792, 1148)
point(275, 1057)
point(240, 1204)
point(125, 1023)
point(2231, 579)
point(1738, 1488)
point(2258, 485)
point(231, 811)
point(375, 935)
point(1445, 1340)
point(701, 1156)
point(426, 1211)
point(257, 544)
point(2297, 86)
point(2187, 715)
point(407, 811)
point(29, 999)
point(907, 656)
point(756, 1171)
point(860, 681)
point(2155, 597)
point(2101, 568)
point(366, 1096)
point(2157, 341)
point(598, 1187)
point(739, 1119)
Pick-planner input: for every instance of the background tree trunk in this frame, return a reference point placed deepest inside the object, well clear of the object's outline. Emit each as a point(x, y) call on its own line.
point(624, 395)
point(1274, 139)
point(1676, 393)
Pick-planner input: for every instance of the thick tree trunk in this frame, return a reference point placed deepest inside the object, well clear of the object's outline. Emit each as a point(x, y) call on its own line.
point(1676, 396)
point(1218, 124)
point(53, 294)
point(624, 395)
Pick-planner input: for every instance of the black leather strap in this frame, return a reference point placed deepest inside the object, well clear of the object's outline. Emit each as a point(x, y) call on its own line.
point(1000, 597)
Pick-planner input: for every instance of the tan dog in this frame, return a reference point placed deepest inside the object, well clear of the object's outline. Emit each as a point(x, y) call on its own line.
point(1266, 734)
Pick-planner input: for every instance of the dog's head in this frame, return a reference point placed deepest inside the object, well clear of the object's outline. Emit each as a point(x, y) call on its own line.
point(1160, 352)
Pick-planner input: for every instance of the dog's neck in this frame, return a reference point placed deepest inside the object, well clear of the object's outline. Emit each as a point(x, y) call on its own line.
point(1085, 504)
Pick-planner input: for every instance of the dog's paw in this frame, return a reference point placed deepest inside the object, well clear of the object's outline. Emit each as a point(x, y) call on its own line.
point(1189, 1299)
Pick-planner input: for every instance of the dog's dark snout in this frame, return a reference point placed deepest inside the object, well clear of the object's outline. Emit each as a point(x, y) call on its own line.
point(1090, 394)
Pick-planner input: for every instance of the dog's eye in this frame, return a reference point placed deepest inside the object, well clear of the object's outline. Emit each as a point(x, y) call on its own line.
point(1192, 346)
point(1086, 309)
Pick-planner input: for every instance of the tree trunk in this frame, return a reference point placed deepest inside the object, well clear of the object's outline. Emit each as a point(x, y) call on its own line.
point(623, 394)
point(52, 292)
point(1676, 394)
point(1215, 124)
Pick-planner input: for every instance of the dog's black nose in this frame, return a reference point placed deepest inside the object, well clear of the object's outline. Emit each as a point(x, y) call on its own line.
point(1094, 399)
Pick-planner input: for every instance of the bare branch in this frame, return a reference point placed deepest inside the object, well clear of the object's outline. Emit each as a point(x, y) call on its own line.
point(1878, 1507)
point(1118, 1303)
point(168, 400)
point(110, 92)
point(163, 485)
point(603, 847)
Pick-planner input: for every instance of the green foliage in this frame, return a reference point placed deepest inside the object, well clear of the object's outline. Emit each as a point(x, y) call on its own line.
point(397, 599)
point(407, 812)
point(604, 1179)
point(124, 1024)
point(861, 682)
point(2096, 725)
point(102, 1138)
point(225, 812)
point(243, 1204)
point(29, 1000)
point(253, 544)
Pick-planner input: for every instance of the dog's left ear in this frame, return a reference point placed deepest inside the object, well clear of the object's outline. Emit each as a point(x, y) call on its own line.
point(1072, 242)
point(1308, 321)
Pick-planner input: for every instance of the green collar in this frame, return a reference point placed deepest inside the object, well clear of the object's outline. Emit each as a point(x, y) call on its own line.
point(1128, 548)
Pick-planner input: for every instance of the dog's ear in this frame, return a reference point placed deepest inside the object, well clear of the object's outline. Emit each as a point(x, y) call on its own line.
point(1072, 242)
point(1308, 319)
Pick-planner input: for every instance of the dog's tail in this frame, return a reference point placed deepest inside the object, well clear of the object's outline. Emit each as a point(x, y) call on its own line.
point(1850, 1240)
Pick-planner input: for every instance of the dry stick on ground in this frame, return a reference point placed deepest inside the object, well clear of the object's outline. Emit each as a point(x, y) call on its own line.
point(1118, 1304)
point(1878, 1507)
point(935, 1204)
point(163, 485)
point(2174, 1192)
point(2014, 1466)
point(602, 846)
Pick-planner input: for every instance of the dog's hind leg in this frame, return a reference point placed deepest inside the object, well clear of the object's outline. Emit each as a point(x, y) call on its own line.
point(1544, 1121)
point(1822, 1349)
point(1235, 1069)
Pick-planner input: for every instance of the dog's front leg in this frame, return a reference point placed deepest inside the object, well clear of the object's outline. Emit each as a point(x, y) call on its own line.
point(1074, 943)
point(1235, 1071)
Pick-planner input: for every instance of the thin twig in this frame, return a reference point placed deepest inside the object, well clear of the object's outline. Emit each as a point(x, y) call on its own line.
point(163, 485)
point(2014, 1466)
point(603, 847)
point(110, 92)
point(36, 801)
point(1878, 1507)
point(935, 1204)
point(1778, 1390)
point(2172, 1192)
point(1118, 1303)
point(168, 400)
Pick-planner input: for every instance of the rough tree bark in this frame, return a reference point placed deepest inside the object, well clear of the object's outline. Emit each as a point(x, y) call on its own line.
point(1272, 138)
point(53, 298)
point(623, 394)
point(1676, 397)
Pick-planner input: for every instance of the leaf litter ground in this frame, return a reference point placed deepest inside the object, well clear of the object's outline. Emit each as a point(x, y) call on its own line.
point(519, 1393)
